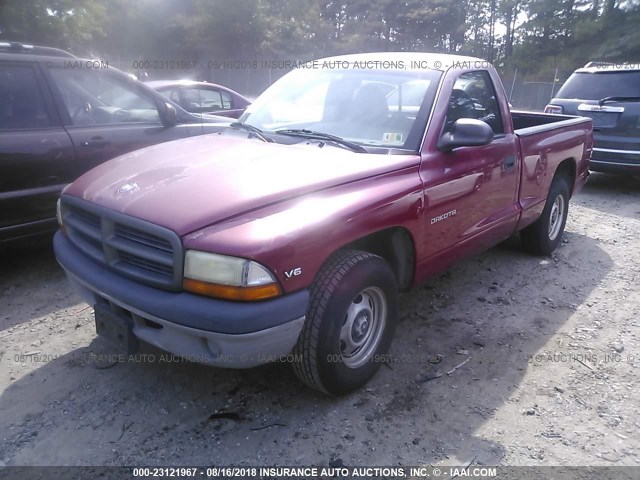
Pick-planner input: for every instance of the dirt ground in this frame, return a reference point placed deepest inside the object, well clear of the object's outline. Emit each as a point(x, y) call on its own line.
point(551, 346)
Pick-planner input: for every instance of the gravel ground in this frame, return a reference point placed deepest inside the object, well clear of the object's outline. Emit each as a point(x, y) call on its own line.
point(548, 354)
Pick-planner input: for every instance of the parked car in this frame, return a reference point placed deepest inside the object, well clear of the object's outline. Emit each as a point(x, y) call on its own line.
point(610, 96)
point(296, 236)
point(202, 97)
point(60, 116)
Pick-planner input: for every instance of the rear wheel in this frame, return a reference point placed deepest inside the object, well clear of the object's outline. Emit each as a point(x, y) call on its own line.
point(545, 234)
point(350, 323)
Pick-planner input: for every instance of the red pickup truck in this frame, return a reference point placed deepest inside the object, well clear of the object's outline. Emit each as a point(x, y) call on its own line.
point(289, 235)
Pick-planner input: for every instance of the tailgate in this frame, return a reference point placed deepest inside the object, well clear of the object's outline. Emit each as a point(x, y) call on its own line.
point(619, 119)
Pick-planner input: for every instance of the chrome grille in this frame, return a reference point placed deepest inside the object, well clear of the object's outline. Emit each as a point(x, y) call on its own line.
point(143, 238)
point(137, 249)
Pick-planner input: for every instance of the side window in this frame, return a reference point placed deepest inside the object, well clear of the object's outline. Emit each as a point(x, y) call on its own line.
point(98, 97)
point(21, 102)
point(171, 93)
point(174, 95)
point(226, 100)
point(474, 96)
point(199, 100)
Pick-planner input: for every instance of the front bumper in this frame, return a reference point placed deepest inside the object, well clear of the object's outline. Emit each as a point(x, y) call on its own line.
point(206, 330)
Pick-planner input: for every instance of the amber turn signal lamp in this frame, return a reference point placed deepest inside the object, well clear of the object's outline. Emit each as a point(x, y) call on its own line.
point(228, 292)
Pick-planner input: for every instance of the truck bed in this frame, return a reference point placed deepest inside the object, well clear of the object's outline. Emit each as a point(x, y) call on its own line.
point(545, 141)
point(529, 123)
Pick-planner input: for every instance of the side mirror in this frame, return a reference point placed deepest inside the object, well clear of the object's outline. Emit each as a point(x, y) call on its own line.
point(168, 114)
point(466, 132)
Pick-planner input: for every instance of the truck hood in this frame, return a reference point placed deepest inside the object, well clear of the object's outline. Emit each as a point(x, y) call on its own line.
point(189, 184)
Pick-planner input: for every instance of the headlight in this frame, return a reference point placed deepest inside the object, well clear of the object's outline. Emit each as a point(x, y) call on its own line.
point(231, 278)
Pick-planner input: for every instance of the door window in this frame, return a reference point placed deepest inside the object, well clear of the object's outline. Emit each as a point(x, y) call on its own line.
point(172, 94)
point(199, 100)
point(474, 96)
point(21, 102)
point(226, 100)
point(94, 97)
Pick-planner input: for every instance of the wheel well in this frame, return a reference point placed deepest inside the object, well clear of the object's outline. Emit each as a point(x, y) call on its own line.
point(396, 246)
point(567, 168)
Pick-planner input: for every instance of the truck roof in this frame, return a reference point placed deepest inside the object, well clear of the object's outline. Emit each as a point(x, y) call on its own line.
point(414, 61)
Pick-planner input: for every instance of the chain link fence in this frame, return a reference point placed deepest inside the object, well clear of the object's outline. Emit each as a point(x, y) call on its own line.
point(533, 92)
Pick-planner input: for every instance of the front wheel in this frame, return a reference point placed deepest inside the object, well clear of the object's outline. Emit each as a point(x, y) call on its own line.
point(545, 234)
point(350, 323)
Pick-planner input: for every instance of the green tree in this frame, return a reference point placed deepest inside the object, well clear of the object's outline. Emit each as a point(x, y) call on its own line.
point(67, 24)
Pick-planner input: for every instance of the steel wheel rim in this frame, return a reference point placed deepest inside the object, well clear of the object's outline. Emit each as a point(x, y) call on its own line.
point(556, 217)
point(362, 327)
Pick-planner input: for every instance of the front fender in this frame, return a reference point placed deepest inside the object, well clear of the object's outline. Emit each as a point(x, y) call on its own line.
point(295, 237)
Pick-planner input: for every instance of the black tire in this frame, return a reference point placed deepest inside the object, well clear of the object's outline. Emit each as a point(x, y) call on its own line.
point(538, 238)
point(349, 281)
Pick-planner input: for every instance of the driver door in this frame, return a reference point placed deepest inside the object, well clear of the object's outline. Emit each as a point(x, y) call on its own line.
point(471, 192)
point(106, 115)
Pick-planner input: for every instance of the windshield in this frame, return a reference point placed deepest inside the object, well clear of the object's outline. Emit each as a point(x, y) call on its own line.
point(595, 86)
point(367, 107)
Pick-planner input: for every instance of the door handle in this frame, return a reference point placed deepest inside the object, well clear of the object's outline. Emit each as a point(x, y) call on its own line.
point(509, 162)
point(96, 142)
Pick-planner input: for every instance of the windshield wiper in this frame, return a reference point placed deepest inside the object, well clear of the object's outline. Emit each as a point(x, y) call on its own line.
point(304, 133)
point(604, 100)
point(253, 130)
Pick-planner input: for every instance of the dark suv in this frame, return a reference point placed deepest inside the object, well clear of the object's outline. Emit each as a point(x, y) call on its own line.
point(60, 116)
point(610, 96)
